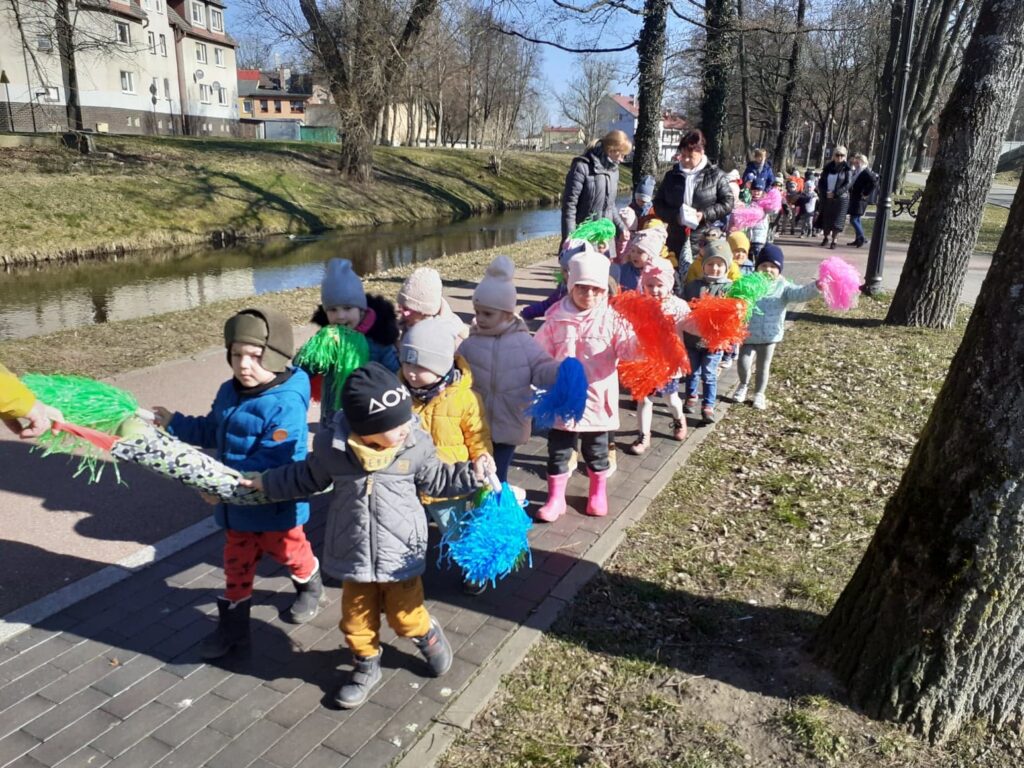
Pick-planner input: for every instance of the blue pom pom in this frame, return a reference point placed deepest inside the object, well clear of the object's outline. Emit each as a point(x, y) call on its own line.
point(491, 541)
point(566, 400)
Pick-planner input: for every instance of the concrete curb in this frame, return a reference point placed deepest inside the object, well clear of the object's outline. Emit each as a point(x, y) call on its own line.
point(477, 694)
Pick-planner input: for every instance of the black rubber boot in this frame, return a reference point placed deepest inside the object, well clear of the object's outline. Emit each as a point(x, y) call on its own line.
point(307, 601)
point(232, 630)
point(435, 649)
point(365, 675)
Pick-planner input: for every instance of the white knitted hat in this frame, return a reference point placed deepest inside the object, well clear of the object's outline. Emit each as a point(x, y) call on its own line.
point(588, 269)
point(421, 292)
point(496, 290)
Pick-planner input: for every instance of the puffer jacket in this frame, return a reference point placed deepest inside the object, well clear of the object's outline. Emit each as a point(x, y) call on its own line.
point(506, 365)
point(598, 338)
point(768, 323)
point(590, 189)
point(455, 421)
point(376, 526)
point(16, 400)
point(763, 173)
point(253, 433)
point(712, 196)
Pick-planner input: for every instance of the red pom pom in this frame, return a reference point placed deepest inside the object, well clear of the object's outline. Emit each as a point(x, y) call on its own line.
point(316, 385)
point(719, 321)
point(660, 351)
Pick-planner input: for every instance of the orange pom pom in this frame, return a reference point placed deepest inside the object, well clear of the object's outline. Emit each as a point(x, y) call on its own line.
point(660, 351)
point(719, 321)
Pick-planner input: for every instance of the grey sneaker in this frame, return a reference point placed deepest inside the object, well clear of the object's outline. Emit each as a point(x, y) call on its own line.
point(760, 402)
point(435, 649)
point(739, 394)
point(365, 675)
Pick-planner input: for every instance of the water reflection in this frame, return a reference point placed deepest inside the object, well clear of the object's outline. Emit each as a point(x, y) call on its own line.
point(37, 300)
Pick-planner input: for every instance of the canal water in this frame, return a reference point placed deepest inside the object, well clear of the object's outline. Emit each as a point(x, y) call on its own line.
point(45, 298)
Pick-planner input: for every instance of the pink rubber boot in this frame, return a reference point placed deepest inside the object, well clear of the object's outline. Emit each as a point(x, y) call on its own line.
point(597, 501)
point(554, 507)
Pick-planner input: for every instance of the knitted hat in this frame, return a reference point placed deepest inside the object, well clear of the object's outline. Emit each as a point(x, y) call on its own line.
point(496, 290)
point(429, 344)
point(573, 247)
point(645, 189)
point(374, 400)
point(771, 254)
point(757, 184)
point(658, 271)
point(341, 286)
point(421, 292)
point(718, 249)
point(738, 240)
point(588, 269)
point(649, 241)
point(733, 177)
point(265, 328)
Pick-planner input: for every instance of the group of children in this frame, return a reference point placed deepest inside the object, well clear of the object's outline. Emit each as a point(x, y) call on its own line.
point(437, 410)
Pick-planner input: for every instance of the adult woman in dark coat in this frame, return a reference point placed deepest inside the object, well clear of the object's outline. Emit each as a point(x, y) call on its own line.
point(593, 182)
point(694, 182)
point(834, 197)
point(863, 184)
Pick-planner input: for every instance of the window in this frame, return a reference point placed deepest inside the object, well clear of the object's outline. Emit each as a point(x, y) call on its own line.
point(122, 33)
point(147, 4)
point(277, 106)
point(159, 6)
point(198, 14)
point(218, 56)
point(264, 105)
point(216, 20)
point(247, 105)
point(201, 53)
point(298, 106)
point(151, 38)
point(51, 93)
point(44, 43)
point(205, 92)
point(127, 82)
point(163, 45)
point(222, 96)
point(167, 89)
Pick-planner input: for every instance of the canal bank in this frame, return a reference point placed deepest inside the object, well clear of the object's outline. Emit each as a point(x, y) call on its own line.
point(139, 193)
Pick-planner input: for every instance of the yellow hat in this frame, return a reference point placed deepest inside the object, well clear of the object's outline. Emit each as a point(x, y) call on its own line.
point(738, 241)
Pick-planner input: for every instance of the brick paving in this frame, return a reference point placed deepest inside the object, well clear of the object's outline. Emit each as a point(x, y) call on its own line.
point(115, 680)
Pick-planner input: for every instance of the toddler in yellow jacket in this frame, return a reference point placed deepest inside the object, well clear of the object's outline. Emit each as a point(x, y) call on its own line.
point(447, 407)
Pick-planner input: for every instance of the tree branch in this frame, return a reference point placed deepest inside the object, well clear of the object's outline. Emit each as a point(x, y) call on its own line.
point(553, 44)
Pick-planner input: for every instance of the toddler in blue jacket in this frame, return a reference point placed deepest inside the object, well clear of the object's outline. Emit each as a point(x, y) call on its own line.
point(257, 422)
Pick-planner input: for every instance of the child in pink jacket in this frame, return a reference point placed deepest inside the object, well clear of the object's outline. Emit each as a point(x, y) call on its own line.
point(582, 325)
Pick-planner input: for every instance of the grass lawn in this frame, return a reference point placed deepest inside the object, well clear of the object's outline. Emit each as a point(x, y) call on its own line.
point(993, 222)
point(163, 191)
point(689, 649)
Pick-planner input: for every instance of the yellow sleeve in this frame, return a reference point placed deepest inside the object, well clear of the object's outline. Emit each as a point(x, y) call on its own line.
point(734, 271)
point(696, 271)
point(16, 400)
point(475, 431)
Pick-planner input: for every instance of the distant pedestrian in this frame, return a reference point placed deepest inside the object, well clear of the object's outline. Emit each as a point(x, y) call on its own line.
point(592, 184)
point(833, 197)
point(18, 402)
point(760, 168)
point(862, 187)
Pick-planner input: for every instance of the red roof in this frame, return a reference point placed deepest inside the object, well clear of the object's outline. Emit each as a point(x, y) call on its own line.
point(628, 103)
point(562, 129)
point(249, 74)
point(674, 122)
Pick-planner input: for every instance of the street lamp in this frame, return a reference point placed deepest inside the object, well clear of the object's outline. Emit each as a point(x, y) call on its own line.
point(876, 255)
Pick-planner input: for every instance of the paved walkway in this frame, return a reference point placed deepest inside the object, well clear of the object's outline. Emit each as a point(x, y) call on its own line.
point(114, 679)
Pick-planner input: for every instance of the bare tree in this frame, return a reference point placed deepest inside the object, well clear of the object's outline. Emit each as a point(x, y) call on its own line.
point(581, 100)
point(252, 52)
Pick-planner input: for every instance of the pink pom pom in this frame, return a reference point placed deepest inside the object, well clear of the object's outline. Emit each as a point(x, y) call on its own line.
point(745, 217)
point(772, 201)
point(840, 283)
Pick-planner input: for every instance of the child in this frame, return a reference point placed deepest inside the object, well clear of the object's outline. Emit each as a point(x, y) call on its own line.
point(643, 247)
point(506, 361)
point(540, 308)
point(448, 410)
point(421, 297)
point(768, 325)
point(643, 201)
point(378, 459)
point(696, 270)
point(759, 232)
point(258, 421)
point(739, 243)
point(582, 325)
point(808, 205)
point(703, 361)
point(657, 281)
point(343, 302)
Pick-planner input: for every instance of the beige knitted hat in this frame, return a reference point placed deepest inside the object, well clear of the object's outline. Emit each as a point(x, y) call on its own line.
point(421, 292)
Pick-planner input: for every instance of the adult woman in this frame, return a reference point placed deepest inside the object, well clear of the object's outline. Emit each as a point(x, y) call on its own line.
point(593, 182)
point(692, 197)
point(862, 184)
point(834, 197)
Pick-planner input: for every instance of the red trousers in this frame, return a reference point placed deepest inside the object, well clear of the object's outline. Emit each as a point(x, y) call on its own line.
point(243, 550)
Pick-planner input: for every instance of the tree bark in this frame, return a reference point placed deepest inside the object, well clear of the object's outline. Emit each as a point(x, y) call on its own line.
point(715, 73)
point(65, 32)
point(971, 128)
point(651, 55)
point(783, 140)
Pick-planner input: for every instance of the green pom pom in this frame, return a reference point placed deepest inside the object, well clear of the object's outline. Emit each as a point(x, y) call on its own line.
point(751, 289)
point(336, 350)
point(86, 402)
point(595, 231)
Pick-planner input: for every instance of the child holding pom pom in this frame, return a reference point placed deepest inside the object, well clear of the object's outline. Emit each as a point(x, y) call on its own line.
point(344, 302)
point(657, 281)
point(584, 326)
point(644, 246)
point(703, 361)
point(506, 361)
point(768, 324)
point(570, 249)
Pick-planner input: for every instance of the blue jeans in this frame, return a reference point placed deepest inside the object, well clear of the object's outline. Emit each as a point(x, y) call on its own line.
point(855, 221)
point(704, 364)
point(503, 453)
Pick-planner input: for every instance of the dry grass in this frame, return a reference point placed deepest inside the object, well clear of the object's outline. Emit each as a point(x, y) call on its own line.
point(689, 649)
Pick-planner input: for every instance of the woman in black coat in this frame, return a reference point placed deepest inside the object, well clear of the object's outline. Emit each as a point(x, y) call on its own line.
point(593, 183)
point(696, 183)
point(864, 183)
point(834, 197)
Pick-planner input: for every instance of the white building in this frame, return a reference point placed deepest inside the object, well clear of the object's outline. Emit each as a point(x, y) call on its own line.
point(620, 112)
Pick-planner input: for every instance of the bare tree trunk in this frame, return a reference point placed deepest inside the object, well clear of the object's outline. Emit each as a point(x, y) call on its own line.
point(971, 128)
point(783, 139)
point(66, 47)
point(715, 72)
point(651, 54)
point(928, 631)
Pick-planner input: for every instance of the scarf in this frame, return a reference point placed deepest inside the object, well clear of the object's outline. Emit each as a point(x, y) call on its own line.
point(691, 182)
point(371, 459)
point(426, 394)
